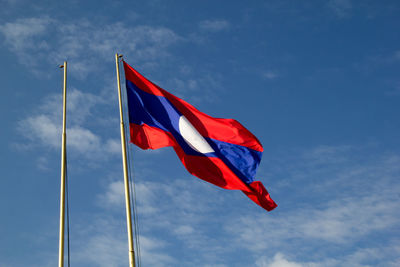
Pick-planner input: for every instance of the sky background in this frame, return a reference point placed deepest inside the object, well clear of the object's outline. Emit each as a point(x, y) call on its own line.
point(316, 81)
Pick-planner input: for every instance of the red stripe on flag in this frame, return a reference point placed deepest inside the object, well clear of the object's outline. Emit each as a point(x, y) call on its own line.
point(210, 169)
point(260, 195)
point(147, 137)
point(141, 82)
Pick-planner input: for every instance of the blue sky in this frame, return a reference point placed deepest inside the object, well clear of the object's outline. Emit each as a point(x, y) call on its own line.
point(316, 81)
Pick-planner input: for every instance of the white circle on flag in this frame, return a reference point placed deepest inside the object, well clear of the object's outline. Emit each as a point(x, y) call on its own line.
point(192, 137)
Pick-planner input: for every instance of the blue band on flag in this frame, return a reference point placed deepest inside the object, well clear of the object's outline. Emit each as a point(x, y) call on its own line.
point(145, 108)
point(242, 160)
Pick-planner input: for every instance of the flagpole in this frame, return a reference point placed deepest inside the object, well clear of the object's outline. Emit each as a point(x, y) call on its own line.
point(125, 169)
point(63, 153)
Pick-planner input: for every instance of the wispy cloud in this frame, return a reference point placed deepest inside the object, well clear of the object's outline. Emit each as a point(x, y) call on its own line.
point(104, 249)
point(114, 195)
point(196, 89)
point(83, 42)
point(359, 258)
point(182, 208)
point(270, 75)
point(44, 42)
point(357, 198)
point(20, 35)
point(341, 8)
point(214, 25)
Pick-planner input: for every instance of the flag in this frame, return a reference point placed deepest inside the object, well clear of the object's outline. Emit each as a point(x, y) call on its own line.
point(219, 151)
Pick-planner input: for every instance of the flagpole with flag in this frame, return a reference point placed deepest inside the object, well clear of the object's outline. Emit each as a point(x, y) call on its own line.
point(63, 168)
point(125, 170)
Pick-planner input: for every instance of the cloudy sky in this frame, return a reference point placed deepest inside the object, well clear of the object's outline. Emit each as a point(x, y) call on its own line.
point(316, 81)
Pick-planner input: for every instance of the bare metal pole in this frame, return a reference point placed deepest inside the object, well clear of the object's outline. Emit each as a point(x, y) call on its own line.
point(125, 169)
point(63, 153)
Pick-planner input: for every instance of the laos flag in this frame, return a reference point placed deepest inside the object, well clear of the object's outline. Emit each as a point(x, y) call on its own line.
point(219, 151)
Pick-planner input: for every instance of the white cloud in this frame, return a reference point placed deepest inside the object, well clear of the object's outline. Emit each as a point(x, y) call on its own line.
point(151, 255)
point(278, 261)
point(359, 258)
point(80, 105)
point(349, 219)
point(143, 41)
point(83, 140)
point(44, 126)
point(83, 43)
point(214, 25)
point(113, 146)
point(20, 35)
point(41, 129)
point(114, 196)
point(105, 249)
